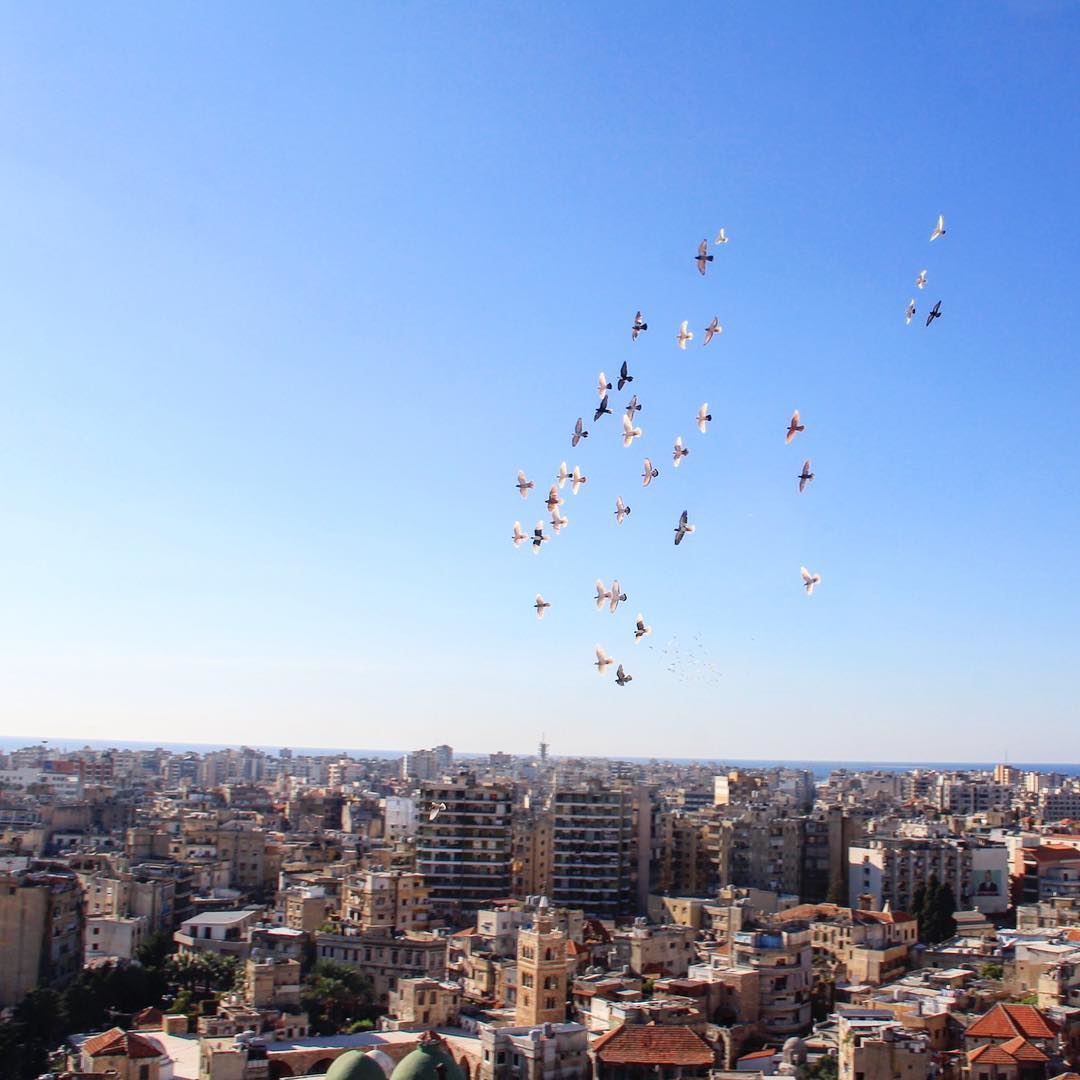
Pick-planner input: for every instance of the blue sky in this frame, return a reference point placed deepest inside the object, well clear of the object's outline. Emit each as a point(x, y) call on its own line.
point(288, 293)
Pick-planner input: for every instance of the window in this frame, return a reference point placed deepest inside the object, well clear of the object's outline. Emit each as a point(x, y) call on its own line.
point(144, 1072)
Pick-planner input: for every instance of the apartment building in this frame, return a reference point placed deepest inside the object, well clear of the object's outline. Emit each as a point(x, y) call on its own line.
point(386, 959)
point(385, 900)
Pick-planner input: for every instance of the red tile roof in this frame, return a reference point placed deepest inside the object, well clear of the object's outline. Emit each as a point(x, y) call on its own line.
point(1008, 1053)
point(650, 1044)
point(119, 1043)
point(1022, 1050)
point(1008, 1021)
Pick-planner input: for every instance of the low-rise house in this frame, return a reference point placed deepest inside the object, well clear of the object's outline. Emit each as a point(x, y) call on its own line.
point(633, 1051)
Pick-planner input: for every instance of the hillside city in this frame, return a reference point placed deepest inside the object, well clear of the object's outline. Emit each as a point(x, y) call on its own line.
point(239, 915)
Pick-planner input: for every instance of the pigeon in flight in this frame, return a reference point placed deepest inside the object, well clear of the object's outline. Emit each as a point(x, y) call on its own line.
point(639, 327)
point(624, 375)
point(712, 330)
point(602, 386)
point(679, 451)
point(805, 476)
point(602, 660)
point(910, 313)
point(621, 678)
point(794, 427)
point(558, 521)
point(640, 629)
point(939, 228)
point(629, 432)
point(519, 534)
point(601, 409)
point(920, 281)
point(554, 499)
point(809, 580)
point(576, 480)
point(682, 529)
point(621, 510)
point(541, 605)
point(935, 313)
point(602, 595)
point(684, 335)
point(632, 407)
point(617, 595)
point(701, 258)
point(562, 476)
point(703, 417)
point(721, 237)
point(650, 474)
point(578, 434)
point(436, 810)
point(524, 485)
point(538, 537)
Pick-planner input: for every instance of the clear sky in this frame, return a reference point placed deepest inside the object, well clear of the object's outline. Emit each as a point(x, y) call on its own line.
point(289, 292)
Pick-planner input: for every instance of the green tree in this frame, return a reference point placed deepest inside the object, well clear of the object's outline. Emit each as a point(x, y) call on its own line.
point(202, 972)
point(825, 1068)
point(336, 996)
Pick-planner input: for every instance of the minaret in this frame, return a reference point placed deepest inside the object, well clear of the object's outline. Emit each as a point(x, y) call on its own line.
point(541, 972)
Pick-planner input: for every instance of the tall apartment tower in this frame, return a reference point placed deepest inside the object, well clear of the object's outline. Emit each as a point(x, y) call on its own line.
point(541, 967)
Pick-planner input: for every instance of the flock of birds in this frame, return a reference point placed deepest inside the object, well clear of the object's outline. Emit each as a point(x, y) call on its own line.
point(611, 597)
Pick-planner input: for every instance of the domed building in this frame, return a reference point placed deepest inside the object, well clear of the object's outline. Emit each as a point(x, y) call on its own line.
point(423, 1062)
point(353, 1065)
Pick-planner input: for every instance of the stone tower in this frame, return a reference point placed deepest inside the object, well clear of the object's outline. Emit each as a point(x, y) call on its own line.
point(541, 972)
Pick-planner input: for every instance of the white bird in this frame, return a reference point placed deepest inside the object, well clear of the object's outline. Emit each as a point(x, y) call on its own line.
point(624, 375)
point(649, 474)
point(538, 537)
point(602, 385)
point(617, 595)
point(558, 521)
point(684, 335)
point(524, 485)
point(680, 451)
point(602, 660)
point(632, 407)
point(436, 810)
point(640, 629)
point(621, 678)
point(920, 281)
point(602, 595)
point(577, 480)
point(712, 330)
point(721, 237)
point(794, 427)
point(562, 476)
point(939, 228)
point(554, 499)
point(809, 580)
point(519, 534)
point(909, 314)
point(578, 434)
point(639, 327)
point(701, 258)
point(703, 417)
point(805, 476)
point(682, 528)
point(540, 605)
point(621, 510)
point(629, 432)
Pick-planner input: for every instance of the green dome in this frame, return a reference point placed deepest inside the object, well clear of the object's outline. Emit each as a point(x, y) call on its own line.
point(422, 1063)
point(353, 1065)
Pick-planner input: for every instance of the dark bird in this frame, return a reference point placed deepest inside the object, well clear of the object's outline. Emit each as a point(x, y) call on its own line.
point(712, 330)
point(578, 434)
point(639, 327)
point(682, 529)
point(701, 259)
point(621, 678)
point(935, 313)
point(601, 409)
point(805, 476)
point(624, 375)
point(632, 407)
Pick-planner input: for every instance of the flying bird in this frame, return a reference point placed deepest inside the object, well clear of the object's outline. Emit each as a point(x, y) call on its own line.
point(703, 417)
point(794, 427)
point(578, 434)
point(935, 313)
point(920, 281)
point(541, 605)
point(629, 432)
point(602, 386)
point(621, 678)
point(624, 375)
point(602, 595)
point(632, 407)
point(601, 409)
point(721, 237)
point(684, 335)
point(640, 629)
point(939, 228)
point(562, 476)
point(639, 327)
point(809, 580)
point(617, 595)
point(538, 537)
point(554, 499)
point(682, 529)
point(621, 510)
point(577, 480)
point(805, 476)
point(436, 810)
point(519, 534)
point(558, 521)
point(602, 660)
point(910, 313)
point(679, 451)
point(524, 485)
point(712, 330)
point(650, 474)
point(701, 258)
